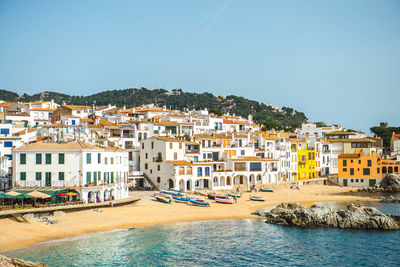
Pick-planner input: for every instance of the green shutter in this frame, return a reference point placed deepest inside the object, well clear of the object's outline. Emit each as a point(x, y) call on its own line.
point(48, 158)
point(22, 176)
point(88, 177)
point(38, 176)
point(22, 158)
point(99, 158)
point(38, 158)
point(61, 176)
point(112, 177)
point(61, 158)
point(88, 158)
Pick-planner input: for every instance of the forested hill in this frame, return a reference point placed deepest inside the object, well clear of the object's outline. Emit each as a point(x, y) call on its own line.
point(268, 115)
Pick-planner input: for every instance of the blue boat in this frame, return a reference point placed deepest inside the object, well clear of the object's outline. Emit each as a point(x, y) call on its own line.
point(172, 193)
point(255, 198)
point(198, 203)
point(180, 199)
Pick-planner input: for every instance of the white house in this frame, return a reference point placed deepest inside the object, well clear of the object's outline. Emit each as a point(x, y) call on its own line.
point(96, 173)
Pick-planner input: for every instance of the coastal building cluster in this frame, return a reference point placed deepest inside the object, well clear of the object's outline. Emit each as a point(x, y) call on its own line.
point(101, 151)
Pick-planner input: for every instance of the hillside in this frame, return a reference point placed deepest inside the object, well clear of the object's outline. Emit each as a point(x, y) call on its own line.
point(268, 115)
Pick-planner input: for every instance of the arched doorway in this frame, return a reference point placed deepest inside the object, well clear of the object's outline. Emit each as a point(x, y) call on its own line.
point(390, 169)
point(259, 179)
point(252, 179)
point(112, 193)
point(222, 181)
point(216, 183)
point(228, 180)
point(91, 197)
point(170, 184)
point(182, 185)
point(396, 169)
point(189, 185)
point(106, 195)
point(384, 170)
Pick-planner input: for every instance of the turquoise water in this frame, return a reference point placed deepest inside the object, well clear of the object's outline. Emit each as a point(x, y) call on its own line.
point(235, 242)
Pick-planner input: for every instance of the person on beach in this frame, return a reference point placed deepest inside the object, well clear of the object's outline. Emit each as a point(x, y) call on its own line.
point(235, 199)
point(238, 189)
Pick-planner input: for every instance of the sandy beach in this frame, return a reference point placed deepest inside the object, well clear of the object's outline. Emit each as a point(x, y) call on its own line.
point(149, 212)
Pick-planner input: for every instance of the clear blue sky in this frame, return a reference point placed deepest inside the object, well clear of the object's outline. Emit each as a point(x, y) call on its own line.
point(337, 61)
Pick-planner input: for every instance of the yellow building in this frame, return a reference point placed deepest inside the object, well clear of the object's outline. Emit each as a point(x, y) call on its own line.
point(306, 164)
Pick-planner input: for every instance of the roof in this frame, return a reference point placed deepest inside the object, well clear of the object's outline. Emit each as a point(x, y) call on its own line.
point(23, 132)
point(340, 132)
point(6, 104)
point(235, 122)
point(253, 159)
point(366, 139)
point(186, 163)
point(75, 145)
point(396, 136)
point(168, 139)
point(76, 107)
point(43, 109)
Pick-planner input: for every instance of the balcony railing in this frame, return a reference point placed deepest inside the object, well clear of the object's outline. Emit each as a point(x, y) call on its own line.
point(157, 159)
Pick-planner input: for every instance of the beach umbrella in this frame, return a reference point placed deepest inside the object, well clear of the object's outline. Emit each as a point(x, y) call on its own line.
point(22, 196)
point(13, 193)
point(2, 195)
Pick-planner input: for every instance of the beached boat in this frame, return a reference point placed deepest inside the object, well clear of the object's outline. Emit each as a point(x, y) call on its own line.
point(199, 203)
point(263, 189)
point(200, 199)
point(255, 198)
point(172, 193)
point(164, 199)
point(181, 199)
point(225, 200)
point(215, 196)
point(234, 194)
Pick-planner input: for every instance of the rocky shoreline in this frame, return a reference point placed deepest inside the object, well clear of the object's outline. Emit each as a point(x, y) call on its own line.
point(7, 262)
point(353, 217)
point(389, 184)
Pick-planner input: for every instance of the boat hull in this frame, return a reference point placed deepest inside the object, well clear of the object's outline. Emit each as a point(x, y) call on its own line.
point(267, 190)
point(199, 203)
point(213, 197)
point(224, 201)
point(257, 198)
point(164, 199)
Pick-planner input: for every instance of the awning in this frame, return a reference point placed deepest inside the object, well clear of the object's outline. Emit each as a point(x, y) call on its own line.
point(37, 194)
point(62, 195)
point(22, 196)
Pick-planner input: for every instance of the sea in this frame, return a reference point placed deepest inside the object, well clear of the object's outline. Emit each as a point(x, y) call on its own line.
point(228, 242)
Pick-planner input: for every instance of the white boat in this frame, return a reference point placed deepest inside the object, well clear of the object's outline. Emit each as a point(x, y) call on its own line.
point(255, 198)
point(234, 194)
point(225, 200)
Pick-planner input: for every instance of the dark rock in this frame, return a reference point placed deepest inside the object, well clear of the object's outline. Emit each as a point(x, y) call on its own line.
point(390, 199)
point(353, 217)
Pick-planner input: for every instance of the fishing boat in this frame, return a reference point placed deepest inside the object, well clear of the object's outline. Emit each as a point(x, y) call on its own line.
point(200, 199)
point(263, 189)
point(172, 193)
point(164, 199)
point(234, 194)
point(215, 196)
point(199, 203)
point(181, 199)
point(225, 200)
point(255, 198)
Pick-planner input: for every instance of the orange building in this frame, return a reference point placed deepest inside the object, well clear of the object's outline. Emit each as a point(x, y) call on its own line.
point(359, 169)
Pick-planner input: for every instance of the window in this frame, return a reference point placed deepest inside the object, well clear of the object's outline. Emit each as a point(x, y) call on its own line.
point(61, 176)
point(22, 176)
point(22, 159)
point(199, 171)
point(356, 180)
point(4, 131)
point(204, 156)
point(351, 171)
point(88, 158)
point(48, 158)
point(152, 145)
point(88, 177)
point(196, 159)
point(151, 170)
point(171, 145)
point(7, 144)
point(61, 158)
point(38, 158)
point(142, 145)
point(38, 176)
point(242, 152)
point(345, 169)
point(362, 180)
point(344, 163)
point(112, 177)
point(105, 160)
point(255, 166)
point(352, 180)
point(369, 163)
point(207, 171)
point(158, 167)
point(99, 158)
point(158, 179)
point(378, 170)
point(180, 145)
point(351, 161)
point(146, 166)
point(359, 161)
point(366, 171)
point(240, 166)
point(175, 155)
point(112, 160)
point(145, 155)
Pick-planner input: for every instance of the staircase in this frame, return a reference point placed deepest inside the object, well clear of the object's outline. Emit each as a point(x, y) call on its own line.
point(143, 176)
point(150, 182)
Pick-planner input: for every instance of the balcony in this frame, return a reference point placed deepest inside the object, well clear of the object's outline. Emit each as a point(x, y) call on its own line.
point(157, 159)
